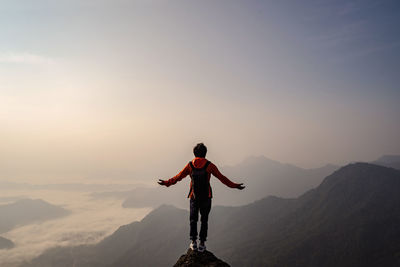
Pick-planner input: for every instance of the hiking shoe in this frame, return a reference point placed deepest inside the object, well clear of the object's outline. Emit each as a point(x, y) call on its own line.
point(193, 245)
point(202, 247)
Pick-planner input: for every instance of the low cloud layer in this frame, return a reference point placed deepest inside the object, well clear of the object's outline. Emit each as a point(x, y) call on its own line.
point(90, 221)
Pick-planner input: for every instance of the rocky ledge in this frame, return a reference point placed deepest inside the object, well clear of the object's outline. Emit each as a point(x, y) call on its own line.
point(199, 259)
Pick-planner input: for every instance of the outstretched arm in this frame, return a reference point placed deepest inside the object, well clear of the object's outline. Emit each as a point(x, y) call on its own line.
point(214, 171)
point(185, 172)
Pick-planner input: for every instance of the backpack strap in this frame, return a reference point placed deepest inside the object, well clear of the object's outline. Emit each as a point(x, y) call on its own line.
point(206, 165)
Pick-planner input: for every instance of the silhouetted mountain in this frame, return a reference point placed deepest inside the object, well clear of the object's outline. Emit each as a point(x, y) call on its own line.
point(6, 243)
point(392, 161)
point(199, 259)
point(261, 176)
point(26, 211)
point(350, 219)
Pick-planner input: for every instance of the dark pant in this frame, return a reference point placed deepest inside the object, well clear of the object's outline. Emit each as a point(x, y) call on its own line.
point(204, 206)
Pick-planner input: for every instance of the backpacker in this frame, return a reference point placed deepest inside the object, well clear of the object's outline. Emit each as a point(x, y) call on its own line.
point(200, 183)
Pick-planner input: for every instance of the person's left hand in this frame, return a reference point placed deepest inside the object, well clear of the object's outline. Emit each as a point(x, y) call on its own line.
point(162, 182)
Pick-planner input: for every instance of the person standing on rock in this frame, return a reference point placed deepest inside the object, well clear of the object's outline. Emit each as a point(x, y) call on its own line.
point(200, 194)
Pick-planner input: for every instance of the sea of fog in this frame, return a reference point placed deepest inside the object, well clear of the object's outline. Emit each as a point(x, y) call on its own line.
point(89, 222)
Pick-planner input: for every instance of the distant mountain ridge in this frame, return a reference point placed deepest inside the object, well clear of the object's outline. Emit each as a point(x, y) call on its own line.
point(265, 177)
point(26, 211)
point(392, 161)
point(389, 158)
point(77, 187)
point(261, 176)
point(350, 219)
point(6, 243)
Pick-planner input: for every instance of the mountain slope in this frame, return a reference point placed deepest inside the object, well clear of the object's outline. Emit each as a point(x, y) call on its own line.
point(350, 219)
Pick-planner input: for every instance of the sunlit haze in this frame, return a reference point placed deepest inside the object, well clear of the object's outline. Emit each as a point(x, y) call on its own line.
point(122, 90)
point(99, 99)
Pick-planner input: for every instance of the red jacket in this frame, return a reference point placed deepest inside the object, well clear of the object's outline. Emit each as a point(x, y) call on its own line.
point(211, 169)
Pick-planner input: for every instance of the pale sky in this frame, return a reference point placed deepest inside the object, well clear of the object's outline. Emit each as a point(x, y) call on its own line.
point(124, 89)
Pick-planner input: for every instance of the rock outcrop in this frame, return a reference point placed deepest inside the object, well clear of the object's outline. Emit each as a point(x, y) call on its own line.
point(199, 259)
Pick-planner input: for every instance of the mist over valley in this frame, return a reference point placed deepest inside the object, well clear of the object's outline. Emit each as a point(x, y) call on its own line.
point(83, 217)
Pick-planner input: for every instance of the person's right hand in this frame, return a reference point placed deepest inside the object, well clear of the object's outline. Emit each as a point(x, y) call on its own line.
point(240, 186)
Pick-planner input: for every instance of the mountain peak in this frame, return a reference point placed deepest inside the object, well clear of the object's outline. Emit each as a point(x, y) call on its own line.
point(258, 159)
point(199, 259)
point(362, 171)
point(358, 184)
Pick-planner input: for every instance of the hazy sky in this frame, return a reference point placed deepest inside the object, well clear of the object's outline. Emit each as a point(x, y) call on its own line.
point(124, 89)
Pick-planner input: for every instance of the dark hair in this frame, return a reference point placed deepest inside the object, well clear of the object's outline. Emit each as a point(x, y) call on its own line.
point(200, 150)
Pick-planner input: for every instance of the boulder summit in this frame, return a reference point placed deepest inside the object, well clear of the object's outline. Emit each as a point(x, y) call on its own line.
point(199, 259)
